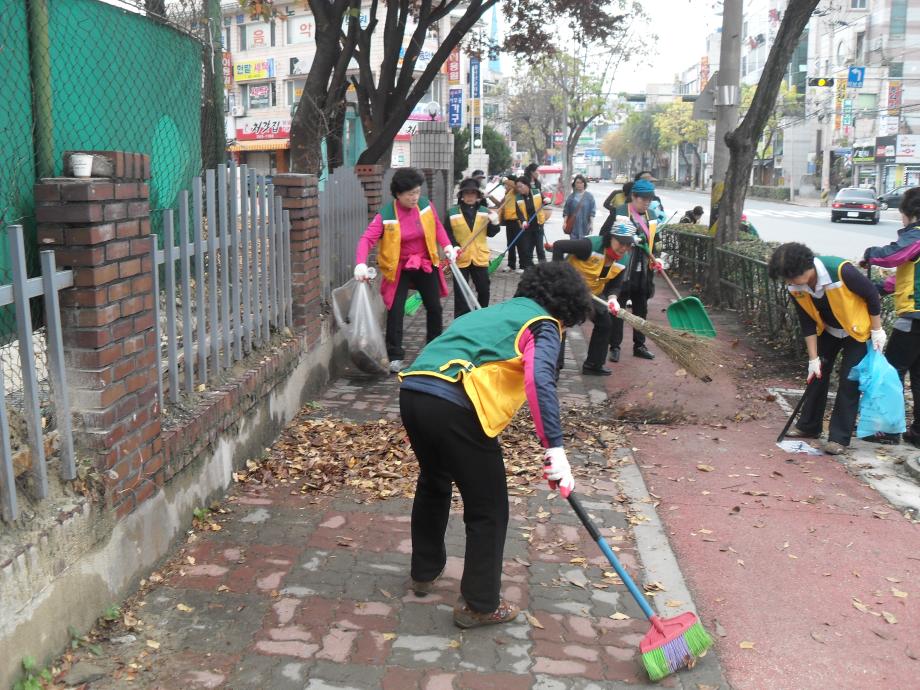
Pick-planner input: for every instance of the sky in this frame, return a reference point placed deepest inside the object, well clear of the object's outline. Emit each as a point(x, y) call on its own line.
point(682, 27)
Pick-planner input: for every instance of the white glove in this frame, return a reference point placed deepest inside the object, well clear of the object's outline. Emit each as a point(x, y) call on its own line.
point(525, 225)
point(613, 305)
point(451, 252)
point(493, 218)
point(814, 369)
point(879, 339)
point(361, 273)
point(556, 469)
point(665, 261)
point(658, 265)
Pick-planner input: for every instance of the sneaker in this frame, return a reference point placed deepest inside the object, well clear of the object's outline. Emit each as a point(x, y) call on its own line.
point(834, 448)
point(795, 432)
point(507, 269)
point(519, 270)
point(614, 354)
point(396, 366)
point(642, 352)
point(465, 617)
point(423, 589)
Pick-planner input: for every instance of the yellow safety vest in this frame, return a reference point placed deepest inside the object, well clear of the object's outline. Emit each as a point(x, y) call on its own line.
point(391, 242)
point(478, 252)
point(537, 205)
point(848, 308)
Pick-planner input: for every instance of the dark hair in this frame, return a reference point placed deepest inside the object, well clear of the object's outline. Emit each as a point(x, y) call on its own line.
point(557, 287)
point(579, 177)
point(525, 178)
point(531, 167)
point(790, 260)
point(698, 210)
point(511, 176)
point(910, 203)
point(405, 179)
point(627, 190)
point(641, 173)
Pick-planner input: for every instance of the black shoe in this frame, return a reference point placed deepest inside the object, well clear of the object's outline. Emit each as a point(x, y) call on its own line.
point(642, 352)
point(911, 437)
point(614, 354)
point(592, 370)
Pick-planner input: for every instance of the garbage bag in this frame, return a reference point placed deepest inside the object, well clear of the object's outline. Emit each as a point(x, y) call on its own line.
point(881, 405)
point(356, 308)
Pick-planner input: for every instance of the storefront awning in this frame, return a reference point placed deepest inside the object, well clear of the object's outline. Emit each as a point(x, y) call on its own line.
point(265, 145)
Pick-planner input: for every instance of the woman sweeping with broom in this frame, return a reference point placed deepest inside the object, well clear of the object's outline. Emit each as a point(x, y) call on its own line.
point(409, 233)
point(601, 261)
point(839, 310)
point(456, 398)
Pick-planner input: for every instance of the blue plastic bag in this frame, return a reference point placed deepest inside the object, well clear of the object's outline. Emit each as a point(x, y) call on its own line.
point(881, 405)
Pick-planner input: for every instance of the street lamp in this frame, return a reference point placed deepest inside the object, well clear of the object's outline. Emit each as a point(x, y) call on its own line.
point(434, 109)
point(478, 143)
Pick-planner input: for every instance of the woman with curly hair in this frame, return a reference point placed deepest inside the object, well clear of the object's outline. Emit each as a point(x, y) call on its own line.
point(409, 233)
point(903, 350)
point(839, 310)
point(456, 398)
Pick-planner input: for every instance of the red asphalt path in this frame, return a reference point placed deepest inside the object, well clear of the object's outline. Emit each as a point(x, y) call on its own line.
point(775, 548)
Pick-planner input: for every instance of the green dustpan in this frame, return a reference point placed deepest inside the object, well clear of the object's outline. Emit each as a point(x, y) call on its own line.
point(689, 314)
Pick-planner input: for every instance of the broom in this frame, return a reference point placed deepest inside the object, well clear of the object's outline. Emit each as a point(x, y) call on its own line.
point(497, 261)
point(692, 353)
point(672, 643)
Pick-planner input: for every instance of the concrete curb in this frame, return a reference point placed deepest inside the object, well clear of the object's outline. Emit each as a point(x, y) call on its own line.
point(912, 465)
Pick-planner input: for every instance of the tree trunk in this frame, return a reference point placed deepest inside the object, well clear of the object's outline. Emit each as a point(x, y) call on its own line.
point(743, 140)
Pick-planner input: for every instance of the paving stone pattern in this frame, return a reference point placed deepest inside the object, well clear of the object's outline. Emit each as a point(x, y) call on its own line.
point(312, 592)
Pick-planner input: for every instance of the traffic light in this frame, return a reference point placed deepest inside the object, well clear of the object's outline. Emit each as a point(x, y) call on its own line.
point(821, 81)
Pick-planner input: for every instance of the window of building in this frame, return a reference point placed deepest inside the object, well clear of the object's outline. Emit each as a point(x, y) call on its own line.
point(858, 4)
point(260, 96)
point(896, 70)
point(255, 36)
point(300, 29)
point(225, 38)
point(743, 65)
point(294, 90)
point(860, 45)
point(898, 18)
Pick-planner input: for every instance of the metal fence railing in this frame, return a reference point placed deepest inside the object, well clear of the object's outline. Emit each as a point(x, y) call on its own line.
point(233, 283)
point(343, 218)
point(24, 435)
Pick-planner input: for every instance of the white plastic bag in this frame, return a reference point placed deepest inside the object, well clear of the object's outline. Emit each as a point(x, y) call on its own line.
point(356, 307)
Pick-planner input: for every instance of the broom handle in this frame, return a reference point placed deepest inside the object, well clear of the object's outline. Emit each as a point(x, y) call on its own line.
point(670, 284)
point(611, 556)
point(798, 405)
point(464, 287)
point(517, 237)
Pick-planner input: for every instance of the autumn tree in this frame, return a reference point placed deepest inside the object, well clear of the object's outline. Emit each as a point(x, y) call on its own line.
point(677, 129)
point(789, 103)
point(388, 91)
point(533, 118)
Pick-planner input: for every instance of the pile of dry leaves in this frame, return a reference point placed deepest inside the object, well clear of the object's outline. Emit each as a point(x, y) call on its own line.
point(323, 454)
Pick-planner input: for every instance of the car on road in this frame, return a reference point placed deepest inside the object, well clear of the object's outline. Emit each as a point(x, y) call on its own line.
point(853, 203)
point(620, 179)
point(892, 199)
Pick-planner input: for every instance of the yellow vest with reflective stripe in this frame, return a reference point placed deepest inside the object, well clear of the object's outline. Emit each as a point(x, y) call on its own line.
point(905, 288)
point(591, 268)
point(848, 308)
point(478, 252)
point(391, 241)
point(537, 205)
point(509, 206)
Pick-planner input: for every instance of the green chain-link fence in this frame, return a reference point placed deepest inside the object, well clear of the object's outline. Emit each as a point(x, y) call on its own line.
point(128, 75)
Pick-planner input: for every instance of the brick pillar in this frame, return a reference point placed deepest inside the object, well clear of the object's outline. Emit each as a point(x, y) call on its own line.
point(299, 195)
point(371, 177)
point(100, 228)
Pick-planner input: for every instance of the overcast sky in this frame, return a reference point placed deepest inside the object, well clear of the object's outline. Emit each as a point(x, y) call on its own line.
point(682, 27)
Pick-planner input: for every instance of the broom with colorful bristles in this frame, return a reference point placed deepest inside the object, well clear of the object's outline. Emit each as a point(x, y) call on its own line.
point(672, 643)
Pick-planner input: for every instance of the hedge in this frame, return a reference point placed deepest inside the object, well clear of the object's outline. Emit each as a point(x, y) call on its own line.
point(758, 192)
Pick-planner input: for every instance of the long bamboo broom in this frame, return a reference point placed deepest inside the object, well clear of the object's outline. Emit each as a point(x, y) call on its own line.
point(692, 353)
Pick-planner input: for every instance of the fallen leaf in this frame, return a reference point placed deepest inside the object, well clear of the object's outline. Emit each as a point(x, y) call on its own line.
point(817, 638)
point(454, 644)
point(720, 630)
point(223, 588)
point(889, 618)
point(619, 616)
point(534, 622)
point(520, 560)
point(389, 636)
point(184, 608)
point(673, 603)
point(705, 468)
point(153, 644)
point(898, 593)
point(859, 606)
point(746, 645)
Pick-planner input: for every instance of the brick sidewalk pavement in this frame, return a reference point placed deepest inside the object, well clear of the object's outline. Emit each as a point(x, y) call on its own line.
point(310, 591)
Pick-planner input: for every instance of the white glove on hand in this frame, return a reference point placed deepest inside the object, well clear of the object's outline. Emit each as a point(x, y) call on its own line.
point(525, 225)
point(613, 305)
point(557, 471)
point(493, 218)
point(878, 339)
point(361, 273)
point(665, 261)
point(814, 369)
point(658, 266)
point(451, 252)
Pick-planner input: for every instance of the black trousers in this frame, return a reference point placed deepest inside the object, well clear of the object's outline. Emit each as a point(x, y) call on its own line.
point(639, 297)
point(428, 285)
point(452, 448)
point(846, 406)
point(903, 353)
point(480, 276)
point(511, 231)
point(531, 240)
point(600, 336)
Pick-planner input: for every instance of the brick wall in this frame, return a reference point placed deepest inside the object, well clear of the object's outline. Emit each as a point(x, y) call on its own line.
point(371, 177)
point(100, 228)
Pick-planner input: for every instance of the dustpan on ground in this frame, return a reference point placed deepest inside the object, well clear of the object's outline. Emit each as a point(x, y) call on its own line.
point(689, 314)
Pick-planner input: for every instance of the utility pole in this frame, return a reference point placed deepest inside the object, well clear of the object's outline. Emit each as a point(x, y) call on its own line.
point(727, 100)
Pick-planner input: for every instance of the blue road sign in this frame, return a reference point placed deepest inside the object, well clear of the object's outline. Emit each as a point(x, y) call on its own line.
point(855, 77)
